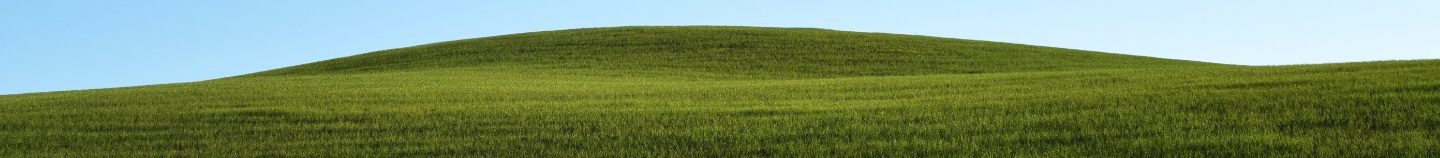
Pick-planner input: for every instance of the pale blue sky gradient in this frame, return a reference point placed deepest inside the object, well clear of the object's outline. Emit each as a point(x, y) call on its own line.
point(73, 45)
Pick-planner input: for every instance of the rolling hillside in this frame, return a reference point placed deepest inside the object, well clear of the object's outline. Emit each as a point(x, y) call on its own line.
point(707, 91)
point(746, 52)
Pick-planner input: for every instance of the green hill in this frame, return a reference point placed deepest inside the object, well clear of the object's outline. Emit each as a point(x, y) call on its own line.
point(746, 92)
point(732, 51)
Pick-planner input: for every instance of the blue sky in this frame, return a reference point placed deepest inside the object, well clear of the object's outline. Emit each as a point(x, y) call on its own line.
point(72, 45)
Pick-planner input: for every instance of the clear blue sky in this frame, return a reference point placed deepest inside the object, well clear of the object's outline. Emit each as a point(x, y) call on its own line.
point(57, 45)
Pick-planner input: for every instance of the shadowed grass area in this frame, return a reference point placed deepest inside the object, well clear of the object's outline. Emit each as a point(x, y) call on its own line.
point(395, 107)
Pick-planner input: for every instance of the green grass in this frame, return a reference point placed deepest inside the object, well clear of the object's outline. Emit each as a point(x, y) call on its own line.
point(733, 52)
point(638, 95)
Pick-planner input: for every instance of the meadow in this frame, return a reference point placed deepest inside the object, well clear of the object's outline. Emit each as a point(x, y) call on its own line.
point(709, 91)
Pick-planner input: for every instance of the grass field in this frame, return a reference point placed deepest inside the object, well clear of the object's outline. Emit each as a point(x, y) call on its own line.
point(746, 92)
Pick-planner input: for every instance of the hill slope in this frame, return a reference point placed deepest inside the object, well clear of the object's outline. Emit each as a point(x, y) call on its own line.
point(425, 102)
point(733, 51)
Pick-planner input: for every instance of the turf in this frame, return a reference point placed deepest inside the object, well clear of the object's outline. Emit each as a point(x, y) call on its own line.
point(786, 92)
point(732, 52)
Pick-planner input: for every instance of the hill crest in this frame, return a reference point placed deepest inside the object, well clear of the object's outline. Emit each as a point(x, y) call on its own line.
point(741, 51)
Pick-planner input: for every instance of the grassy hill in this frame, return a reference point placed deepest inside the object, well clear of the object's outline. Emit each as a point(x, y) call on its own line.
point(746, 91)
point(731, 52)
